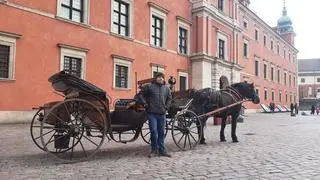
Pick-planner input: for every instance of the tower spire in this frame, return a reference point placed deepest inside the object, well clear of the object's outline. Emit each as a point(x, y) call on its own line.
point(284, 12)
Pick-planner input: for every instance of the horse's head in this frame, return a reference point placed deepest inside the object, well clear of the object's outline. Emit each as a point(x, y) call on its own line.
point(247, 90)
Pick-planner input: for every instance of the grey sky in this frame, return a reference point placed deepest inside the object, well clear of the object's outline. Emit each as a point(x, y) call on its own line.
point(304, 15)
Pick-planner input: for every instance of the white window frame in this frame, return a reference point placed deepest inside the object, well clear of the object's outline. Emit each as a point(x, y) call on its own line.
point(245, 20)
point(272, 73)
point(184, 74)
point(259, 92)
point(278, 47)
point(122, 62)
point(86, 12)
point(225, 39)
point(274, 95)
point(11, 42)
point(131, 20)
point(279, 76)
point(157, 69)
point(162, 15)
point(256, 29)
point(186, 27)
point(246, 42)
point(73, 53)
point(223, 6)
point(265, 78)
point(280, 96)
point(265, 92)
point(265, 35)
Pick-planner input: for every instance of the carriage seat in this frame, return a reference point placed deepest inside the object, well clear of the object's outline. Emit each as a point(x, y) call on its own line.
point(63, 82)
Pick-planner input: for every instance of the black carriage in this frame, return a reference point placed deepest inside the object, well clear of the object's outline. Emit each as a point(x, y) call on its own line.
point(74, 128)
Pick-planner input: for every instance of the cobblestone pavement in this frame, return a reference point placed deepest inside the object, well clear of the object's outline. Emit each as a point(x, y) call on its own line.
point(272, 146)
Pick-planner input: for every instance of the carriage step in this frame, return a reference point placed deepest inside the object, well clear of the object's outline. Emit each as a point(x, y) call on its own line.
point(119, 126)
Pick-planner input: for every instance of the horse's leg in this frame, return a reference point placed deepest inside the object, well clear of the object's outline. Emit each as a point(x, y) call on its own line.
point(234, 127)
point(201, 128)
point(223, 125)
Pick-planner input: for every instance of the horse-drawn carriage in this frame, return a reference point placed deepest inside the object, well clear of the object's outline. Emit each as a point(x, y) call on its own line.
point(75, 128)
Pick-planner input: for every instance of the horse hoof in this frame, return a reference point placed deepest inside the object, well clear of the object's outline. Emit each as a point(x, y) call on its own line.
point(235, 141)
point(222, 140)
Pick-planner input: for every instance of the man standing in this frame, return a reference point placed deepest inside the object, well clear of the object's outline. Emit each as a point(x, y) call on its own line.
point(156, 98)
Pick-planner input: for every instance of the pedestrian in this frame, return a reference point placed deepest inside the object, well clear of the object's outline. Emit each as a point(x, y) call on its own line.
point(291, 109)
point(317, 110)
point(312, 110)
point(156, 98)
point(296, 108)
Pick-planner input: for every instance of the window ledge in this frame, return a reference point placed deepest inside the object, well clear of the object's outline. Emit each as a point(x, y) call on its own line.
point(3, 1)
point(121, 36)
point(7, 80)
point(182, 54)
point(72, 22)
point(122, 89)
point(157, 47)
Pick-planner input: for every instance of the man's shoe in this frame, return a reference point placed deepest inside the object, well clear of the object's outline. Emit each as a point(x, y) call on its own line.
point(165, 154)
point(153, 153)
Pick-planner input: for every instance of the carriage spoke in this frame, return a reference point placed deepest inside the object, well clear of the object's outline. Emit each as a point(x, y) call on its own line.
point(50, 139)
point(189, 141)
point(180, 139)
point(177, 133)
point(65, 106)
point(90, 141)
point(146, 134)
point(72, 148)
point(193, 137)
point(44, 134)
point(79, 139)
point(185, 141)
point(63, 122)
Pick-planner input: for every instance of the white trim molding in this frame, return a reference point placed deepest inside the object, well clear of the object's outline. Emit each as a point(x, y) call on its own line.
point(117, 60)
point(9, 40)
point(86, 11)
point(156, 68)
point(81, 53)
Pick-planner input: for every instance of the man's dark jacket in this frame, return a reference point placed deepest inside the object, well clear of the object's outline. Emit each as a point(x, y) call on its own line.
point(157, 97)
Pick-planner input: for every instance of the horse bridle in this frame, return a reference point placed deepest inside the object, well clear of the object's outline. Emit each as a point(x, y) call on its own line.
point(234, 93)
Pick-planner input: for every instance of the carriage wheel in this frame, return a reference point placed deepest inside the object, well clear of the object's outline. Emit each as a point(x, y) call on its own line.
point(186, 130)
point(125, 136)
point(145, 132)
point(35, 128)
point(73, 130)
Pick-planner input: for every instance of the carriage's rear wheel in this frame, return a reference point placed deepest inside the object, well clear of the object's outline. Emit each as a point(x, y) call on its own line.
point(186, 130)
point(73, 130)
point(35, 128)
point(145, 132)
point(125, 136)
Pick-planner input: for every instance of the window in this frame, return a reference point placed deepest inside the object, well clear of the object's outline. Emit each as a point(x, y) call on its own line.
point(72, 60)
point(4, 61)
point(318, 90)
point(120, 18)
point(280, 98)
point(157, 31)
point(245, 24)
point(158, 18)
point(183, 81)
point(265, 76)
point(289, 56)
point(284, 53)
point(245, 49)
point(272, 74)
point(183, 38)
point(265, 94)
point(279, 76)
point(286, 98)
point(72, 9)
point(264, 40)
point(271, 45)
point(220, 5)
point(290, 80)
point(256, 68)
point(156, 69)
point(221, 49)
point(272, 96)
point(257, 92)
point(256, 35)
point(278, 49)
point(72, 65)
point(294, 81)
point(121, 76)
point(7, 55)
point(318, 79)
point(285, 78)
point(122, 73)
point(303, 80)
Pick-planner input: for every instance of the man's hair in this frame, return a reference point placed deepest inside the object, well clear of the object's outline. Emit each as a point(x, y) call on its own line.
point(159, 74)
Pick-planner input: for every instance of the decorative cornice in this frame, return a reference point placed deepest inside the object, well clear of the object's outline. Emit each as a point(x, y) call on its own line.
point(180, 18)
point(10, 35)
point(157, 65)
point(72, 47)
point(122, 57)
point(152, 4)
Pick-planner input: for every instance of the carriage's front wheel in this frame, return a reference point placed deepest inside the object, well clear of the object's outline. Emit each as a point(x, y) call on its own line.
point(35, 128)
point(186, 130)
point(73, 130)
point(145, 131)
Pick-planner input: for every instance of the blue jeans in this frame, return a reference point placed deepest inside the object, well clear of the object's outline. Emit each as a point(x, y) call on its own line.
point(156, 126)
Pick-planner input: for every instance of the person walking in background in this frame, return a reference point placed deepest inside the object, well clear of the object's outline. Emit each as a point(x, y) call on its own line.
point(296, 108)
point(291, 109)
point(312, 110)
